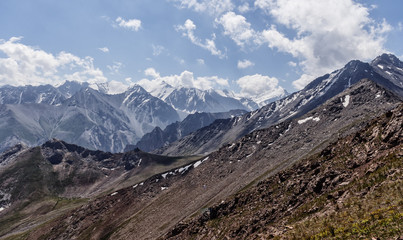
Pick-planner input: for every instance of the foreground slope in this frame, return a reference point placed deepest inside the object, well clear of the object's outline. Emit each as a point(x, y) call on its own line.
point(151, 208)
point(42, 182)
point(352, 189)
point(386, 70)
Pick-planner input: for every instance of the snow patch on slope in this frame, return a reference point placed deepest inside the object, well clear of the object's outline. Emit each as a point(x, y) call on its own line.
point(346, 101)
point(199, 162)
point(182, 170)
point(316, 119)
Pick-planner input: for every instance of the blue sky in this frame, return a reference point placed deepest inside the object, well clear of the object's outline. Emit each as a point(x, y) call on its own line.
point(250, 47)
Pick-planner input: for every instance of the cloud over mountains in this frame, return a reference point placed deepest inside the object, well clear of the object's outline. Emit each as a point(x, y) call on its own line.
point(318, 35)
point(27, 65)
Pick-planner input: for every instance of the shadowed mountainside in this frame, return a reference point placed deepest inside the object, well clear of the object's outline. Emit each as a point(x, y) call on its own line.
point(158, 138)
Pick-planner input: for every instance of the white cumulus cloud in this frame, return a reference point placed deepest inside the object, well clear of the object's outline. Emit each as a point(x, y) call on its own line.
point(116, 87)
point(188, 29)
point(157, 49)
point(115, 67)
point(214, 7)
point(151, 72)
point(245, 64)
point(244, 8)
point(292, 64)
point(328, 33)
point(200, 61)
point(259, 87)
point(237, 28)
point(104, 49)
point(24, 65)
point(185, 79)
point(131, 24)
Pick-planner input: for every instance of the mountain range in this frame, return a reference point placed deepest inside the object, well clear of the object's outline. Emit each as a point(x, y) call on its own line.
point(324, 162)
point(386, 70)
point(191, 100)
point(199, 189)
point(77, 113)
point(88, 117)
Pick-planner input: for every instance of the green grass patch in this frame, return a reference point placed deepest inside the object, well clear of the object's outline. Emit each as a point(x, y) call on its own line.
point(378, 213)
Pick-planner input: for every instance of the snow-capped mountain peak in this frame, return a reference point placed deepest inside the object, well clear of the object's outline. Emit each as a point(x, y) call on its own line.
point(69, 88)
point(191, 100)
point(160, 90)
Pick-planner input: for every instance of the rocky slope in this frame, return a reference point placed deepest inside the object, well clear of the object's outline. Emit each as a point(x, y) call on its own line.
point(351, 189)
point(35, 181)
point(150, 209)
point(158, 138)
point(385, 70)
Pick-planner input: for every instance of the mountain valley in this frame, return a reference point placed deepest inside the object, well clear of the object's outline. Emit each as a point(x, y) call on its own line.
point(158, 138)
point(322, 163)
point(201, 120)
